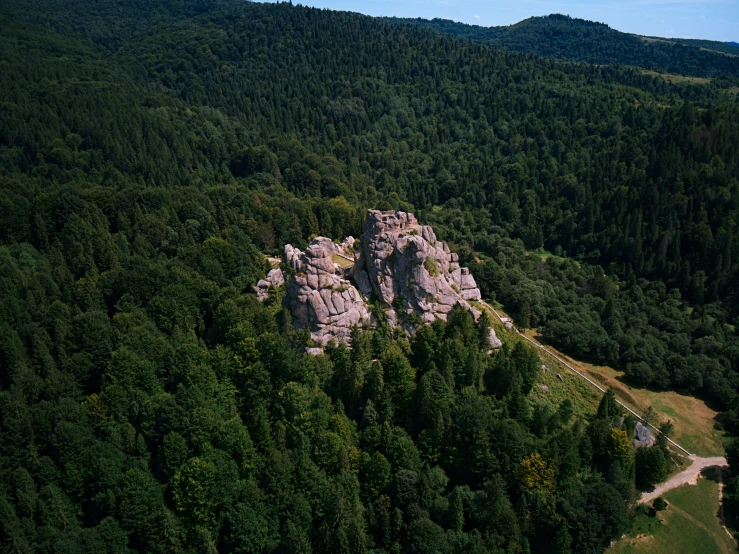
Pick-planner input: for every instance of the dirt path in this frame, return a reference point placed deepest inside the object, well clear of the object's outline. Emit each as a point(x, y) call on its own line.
point(690, 475)
point(582, 375)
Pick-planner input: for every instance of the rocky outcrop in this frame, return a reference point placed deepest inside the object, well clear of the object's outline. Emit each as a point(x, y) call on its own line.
point(397, 260)
point(409, 270)
point(346, 248)
point(495, 342)
point(275, 279)
point(642, 436)
point(320, 297)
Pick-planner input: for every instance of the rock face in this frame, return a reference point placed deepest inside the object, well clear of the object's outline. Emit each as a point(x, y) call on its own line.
point(275, 279)
point(401, 262)
point(320, 297)
point(346, 248)
point(409, 270)
point(495, 342)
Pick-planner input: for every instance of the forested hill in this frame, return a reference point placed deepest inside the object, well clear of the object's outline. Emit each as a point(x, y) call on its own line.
point(149, 159)
point(563, 37)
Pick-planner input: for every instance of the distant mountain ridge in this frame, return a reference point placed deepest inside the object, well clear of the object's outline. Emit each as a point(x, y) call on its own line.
point(564, 37)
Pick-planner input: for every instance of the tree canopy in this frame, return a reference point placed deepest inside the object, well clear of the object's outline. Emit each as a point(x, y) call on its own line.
point(151, 154)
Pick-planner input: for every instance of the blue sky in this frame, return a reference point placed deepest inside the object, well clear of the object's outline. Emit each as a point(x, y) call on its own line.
point(707, 19)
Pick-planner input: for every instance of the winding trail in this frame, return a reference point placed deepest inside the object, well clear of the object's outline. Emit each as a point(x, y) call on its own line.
point(688, 475)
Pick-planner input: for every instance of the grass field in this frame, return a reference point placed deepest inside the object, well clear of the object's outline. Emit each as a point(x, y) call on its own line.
point(584, 397)
point(343, 262)
point(692, 419)
point(689, 525)
point(673, 78)
point(546, 254)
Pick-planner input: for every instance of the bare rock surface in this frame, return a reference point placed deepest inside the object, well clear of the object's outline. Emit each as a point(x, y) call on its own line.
point(320, 297)
point(642, 436)
point(275, 279)
point(495, 342)
point(401, 262)
point(346, 248)
point(410, 270)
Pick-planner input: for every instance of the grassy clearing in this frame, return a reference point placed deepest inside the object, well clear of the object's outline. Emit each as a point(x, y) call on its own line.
point(274, 261)
point(343, 262)
point(545, 255)
point(690, 524)
point(584, 397)
point(674, 78)
point(692, 419)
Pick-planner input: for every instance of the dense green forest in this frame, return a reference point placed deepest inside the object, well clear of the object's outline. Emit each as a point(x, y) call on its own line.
point(152, 152)
point(561, 36)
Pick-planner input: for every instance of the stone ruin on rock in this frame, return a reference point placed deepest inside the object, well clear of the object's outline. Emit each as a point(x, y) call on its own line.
point(413, 275)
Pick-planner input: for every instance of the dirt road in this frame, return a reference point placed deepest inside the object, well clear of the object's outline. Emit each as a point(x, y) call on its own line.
point(690, 475)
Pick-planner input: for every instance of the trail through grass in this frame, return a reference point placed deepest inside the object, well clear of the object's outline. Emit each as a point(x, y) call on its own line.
point(693, 420)
point(689, 525)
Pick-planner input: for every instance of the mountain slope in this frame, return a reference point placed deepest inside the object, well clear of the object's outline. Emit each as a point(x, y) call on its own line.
point(149, 402)
point(568, 38)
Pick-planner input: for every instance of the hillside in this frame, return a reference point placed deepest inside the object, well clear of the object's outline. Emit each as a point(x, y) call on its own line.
point(563, 37)
point(153, 155)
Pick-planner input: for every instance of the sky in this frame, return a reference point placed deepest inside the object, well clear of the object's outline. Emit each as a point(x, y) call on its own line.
point(705, 19)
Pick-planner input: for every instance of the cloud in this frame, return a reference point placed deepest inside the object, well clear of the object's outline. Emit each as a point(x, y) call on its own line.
point(477, 17)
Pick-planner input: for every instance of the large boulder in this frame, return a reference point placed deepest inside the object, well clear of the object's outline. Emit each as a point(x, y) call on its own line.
point(320, 297)
point(642, 436)
point(275, 279)
point(409, 270)
point(493, 339)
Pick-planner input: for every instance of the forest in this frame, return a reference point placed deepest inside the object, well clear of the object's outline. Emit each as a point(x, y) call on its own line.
point(151, 153)
point(565, 37)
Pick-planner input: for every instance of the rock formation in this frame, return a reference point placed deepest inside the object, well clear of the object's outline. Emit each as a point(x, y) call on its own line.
point(275, 279)
point(346, 248)
point(413, 275)
point(495, 342)
point(318, 296)
point(409, 270)
point(642, 436)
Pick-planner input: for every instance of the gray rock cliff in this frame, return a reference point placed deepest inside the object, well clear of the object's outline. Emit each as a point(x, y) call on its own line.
point(320, 297)
point(413, 275)
point(275, 279)
point(409, 270)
